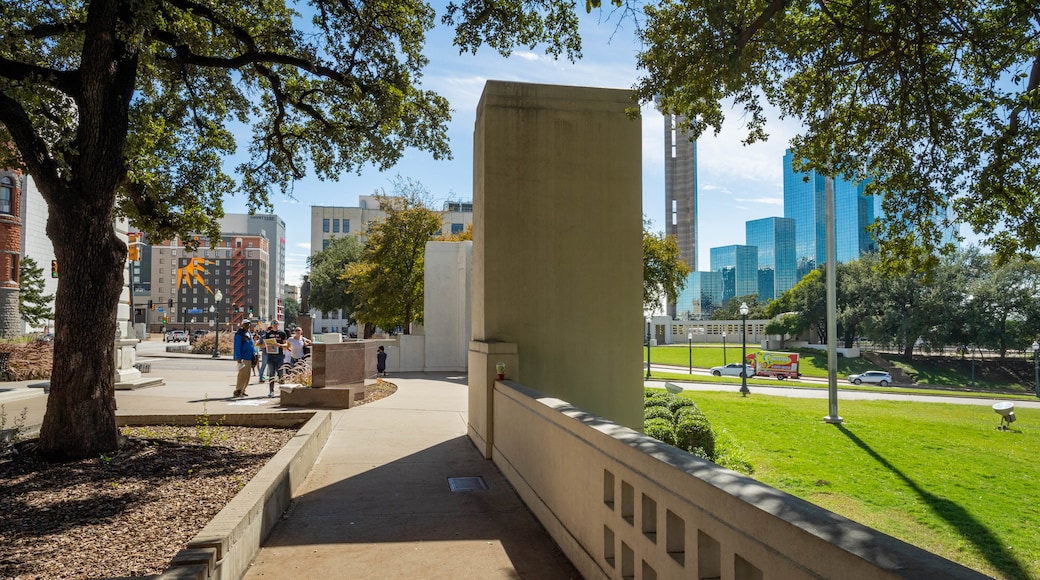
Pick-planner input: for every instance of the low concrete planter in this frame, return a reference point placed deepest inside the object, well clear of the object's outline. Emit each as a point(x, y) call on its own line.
point(227, 545)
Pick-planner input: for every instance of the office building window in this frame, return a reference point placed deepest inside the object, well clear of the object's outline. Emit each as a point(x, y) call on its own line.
point(325, 225)
point(346, 226)
point(6, 194)
point(335, 226)
point(457, 228)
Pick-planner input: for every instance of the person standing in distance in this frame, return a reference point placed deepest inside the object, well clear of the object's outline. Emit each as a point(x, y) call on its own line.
point(297, 343)
point(275, 345)
point(381, 362)
point(260, 334)
point(245, 350)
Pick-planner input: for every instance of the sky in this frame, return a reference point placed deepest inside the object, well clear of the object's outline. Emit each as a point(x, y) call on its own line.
point(735, 183)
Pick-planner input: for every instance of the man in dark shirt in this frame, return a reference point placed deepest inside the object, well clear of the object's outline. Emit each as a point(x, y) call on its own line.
point(274, 343)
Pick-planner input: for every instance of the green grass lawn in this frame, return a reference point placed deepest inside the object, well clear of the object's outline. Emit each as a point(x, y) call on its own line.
point(809, 364)
point(939, 476)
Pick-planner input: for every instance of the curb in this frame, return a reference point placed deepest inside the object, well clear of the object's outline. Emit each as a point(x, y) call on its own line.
point(226, 546)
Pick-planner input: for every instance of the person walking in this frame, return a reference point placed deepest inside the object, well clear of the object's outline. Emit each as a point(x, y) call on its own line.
point(381, 361)
point(260, 334)
point(244, 353)
point(297, 343)
point(275, 345)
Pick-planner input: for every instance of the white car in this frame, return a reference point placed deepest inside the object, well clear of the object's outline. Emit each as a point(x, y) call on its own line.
point(880, 377)
point(733, 370)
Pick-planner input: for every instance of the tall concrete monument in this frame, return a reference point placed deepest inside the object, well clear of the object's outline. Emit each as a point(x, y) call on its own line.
point(557, 250)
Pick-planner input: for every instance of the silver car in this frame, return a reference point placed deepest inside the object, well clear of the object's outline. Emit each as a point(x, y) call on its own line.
point(882, 378)
point(733, 370)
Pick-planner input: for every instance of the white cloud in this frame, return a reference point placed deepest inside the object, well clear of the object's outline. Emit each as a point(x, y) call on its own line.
point(526, 55)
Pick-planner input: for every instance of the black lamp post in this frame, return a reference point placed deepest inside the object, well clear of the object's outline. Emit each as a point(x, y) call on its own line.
point(217, 297)
point(1036, 368)
point(689, 341)
point(648, 347)
point(743, 349)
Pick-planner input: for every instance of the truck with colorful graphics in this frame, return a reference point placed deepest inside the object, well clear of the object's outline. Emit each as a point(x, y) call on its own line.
point(782, 365)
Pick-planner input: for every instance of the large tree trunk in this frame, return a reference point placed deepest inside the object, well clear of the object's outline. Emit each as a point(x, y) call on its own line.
point(80, 418)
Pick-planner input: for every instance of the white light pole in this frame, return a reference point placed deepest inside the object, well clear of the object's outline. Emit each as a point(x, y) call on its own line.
point(1036, 368)
point(743, 349)
point(217, 296)
point(724, 361)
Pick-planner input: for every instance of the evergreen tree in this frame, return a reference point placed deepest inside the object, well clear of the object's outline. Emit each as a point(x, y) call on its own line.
point(33, 304)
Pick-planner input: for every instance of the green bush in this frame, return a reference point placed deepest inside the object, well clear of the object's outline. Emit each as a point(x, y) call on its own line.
point(680, 403)
point(729, 454)
point(659, 399)
point(658, 412)
point(694, 431)
point(687, 411)
point(660, 429)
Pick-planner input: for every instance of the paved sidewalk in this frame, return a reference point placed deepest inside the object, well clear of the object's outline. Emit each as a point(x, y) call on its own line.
point(378, 503)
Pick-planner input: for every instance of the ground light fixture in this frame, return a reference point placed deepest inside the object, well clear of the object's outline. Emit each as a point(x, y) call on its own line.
point(1007, 415)
point(743, 349)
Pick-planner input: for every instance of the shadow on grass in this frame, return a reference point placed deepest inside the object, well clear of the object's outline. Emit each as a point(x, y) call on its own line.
point(971, 530)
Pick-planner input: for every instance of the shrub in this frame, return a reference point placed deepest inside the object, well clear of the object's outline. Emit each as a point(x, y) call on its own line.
point(658, 412)
point(659, 399)
point(694, 431)
point(681, 402)
point(660, 429)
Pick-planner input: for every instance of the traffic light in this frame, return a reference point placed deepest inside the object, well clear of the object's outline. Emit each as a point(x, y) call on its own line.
point(170, 303)
point(151, 306)
point(250, 310)
point(133, 251)
point(54, 268)
point(234, 308)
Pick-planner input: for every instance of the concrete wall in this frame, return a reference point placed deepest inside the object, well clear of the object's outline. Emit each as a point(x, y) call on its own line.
point(557, 243)
point(623, 505)
point(446, 307)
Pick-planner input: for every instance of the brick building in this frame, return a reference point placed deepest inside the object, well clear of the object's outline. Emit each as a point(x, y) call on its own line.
point(10, 252)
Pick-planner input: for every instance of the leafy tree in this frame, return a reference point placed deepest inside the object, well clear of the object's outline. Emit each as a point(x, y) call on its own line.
point(330, 290)
point(33, 304)
point(664, 272)
point(387, 283)
point(121, 108)
point(934, 102)
point(785, 325)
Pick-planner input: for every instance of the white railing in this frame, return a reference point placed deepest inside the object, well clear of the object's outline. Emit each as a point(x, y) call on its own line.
point(623, 505)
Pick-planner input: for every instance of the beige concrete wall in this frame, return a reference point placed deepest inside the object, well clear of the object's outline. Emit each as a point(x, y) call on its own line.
point(557, 250)
point(623, 505)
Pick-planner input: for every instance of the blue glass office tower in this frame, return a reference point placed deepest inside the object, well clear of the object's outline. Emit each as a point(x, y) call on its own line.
point(738, 266)
point(702, 294)
point(777, 267)
point(804, 202)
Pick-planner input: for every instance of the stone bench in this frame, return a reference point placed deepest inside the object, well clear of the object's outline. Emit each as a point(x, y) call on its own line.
point(339, 397)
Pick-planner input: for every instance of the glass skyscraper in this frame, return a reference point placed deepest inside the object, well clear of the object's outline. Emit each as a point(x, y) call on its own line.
point(804, 202)
point(702, 294)
point(775, 239)
point(738, 266)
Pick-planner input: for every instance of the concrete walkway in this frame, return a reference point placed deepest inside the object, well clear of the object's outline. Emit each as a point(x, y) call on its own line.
point(377, 504)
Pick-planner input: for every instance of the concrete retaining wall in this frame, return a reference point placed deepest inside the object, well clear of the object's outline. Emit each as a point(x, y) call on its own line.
point(224, 549)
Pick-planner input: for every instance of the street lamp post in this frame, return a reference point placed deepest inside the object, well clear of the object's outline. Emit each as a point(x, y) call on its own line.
point(648, 347)
point(724, 361)
point(689, 342)
point(217, 296)
point(743, 349)
point(1036, 368)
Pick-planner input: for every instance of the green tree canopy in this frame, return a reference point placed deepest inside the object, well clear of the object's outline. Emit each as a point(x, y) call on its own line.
point(935, 102)
point(664, 272)
point(33, 304)
point(731, 309)
point(117, 107)
point(387, 283)
point(330, 290)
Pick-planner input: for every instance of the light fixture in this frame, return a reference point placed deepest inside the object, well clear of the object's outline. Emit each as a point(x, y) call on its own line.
point(1007, 414)
point(743, 349)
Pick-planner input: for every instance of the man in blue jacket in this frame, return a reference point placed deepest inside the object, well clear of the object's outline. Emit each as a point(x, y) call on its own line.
point(244, 353)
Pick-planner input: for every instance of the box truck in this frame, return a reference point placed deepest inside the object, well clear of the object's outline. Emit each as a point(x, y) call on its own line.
point(781, 365)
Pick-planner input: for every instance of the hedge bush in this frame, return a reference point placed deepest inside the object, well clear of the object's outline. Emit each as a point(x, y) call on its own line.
point(695, 431)
point(660, 429)
point(658, 412)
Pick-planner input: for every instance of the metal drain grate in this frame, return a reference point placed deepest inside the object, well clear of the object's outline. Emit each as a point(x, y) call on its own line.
point(467, 484)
